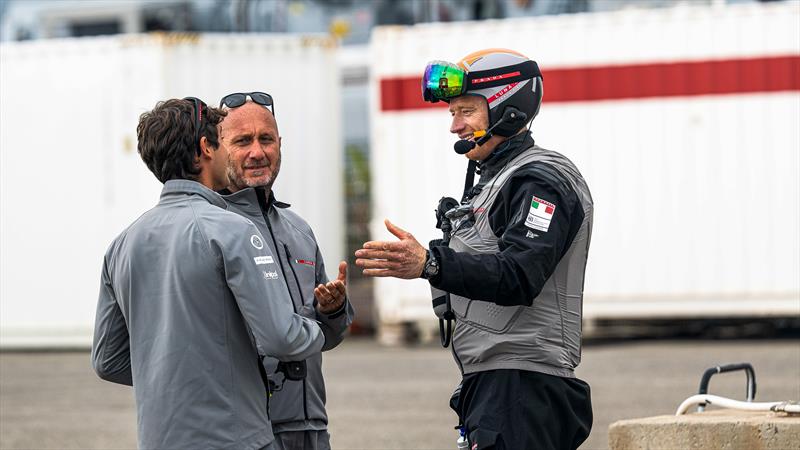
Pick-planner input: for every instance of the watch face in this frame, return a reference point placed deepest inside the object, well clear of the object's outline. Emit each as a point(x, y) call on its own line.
point(431, 268)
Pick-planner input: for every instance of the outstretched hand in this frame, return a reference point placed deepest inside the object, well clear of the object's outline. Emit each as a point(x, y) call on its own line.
point(400, 259)
point(330, 296)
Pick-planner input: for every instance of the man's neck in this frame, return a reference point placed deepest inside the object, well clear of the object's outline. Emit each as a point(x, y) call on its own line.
point(208, 181)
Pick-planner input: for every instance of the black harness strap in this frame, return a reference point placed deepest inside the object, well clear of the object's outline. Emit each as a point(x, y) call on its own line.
point(469, 180)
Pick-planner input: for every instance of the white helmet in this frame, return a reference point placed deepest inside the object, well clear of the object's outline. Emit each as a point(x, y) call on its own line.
point(504, 78)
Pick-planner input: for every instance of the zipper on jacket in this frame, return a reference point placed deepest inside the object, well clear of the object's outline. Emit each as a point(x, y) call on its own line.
point(305, 400)
point(294, 274)
point(294, 305)
point(280, 261)
point(297, 282)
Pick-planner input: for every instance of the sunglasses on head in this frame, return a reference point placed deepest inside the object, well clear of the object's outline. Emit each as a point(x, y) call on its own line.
point(239, 98)
point(199, 106)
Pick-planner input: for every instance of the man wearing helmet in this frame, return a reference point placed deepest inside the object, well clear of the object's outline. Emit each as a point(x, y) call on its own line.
point(510, 270)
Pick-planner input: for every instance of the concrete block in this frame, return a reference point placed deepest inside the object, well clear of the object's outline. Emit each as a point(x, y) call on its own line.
point(718, 429)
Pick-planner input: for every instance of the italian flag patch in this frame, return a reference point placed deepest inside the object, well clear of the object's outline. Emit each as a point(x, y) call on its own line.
point(540, 214)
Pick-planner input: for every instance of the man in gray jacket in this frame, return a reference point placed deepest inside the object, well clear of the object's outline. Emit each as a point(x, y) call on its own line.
point(191, 299)
point(249, 133)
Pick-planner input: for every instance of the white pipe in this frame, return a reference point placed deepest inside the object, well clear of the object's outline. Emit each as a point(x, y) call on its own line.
point(789, 407)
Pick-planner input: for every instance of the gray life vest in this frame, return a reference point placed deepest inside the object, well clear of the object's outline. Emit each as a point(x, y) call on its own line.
point(546, 336)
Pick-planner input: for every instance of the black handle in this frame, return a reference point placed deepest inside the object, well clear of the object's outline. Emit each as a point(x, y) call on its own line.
point(746, 367)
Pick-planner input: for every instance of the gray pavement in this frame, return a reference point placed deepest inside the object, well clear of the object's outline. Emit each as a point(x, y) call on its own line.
point(390, 398)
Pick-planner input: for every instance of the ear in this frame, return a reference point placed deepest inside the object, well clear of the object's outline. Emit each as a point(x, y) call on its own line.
point(206, 150)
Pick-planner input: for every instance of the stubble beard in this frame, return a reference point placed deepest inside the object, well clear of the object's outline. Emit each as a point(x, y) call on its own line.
point(237, 179)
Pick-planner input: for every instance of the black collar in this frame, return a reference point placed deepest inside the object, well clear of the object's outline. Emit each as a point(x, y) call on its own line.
point(260, 192)
point(265, 202)
point(504, 153)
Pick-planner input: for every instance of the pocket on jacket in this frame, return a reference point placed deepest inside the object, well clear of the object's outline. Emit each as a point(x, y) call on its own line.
point(303, 273)
point(491, 317)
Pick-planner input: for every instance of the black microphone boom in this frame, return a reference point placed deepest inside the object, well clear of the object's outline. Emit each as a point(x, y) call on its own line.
point(510, 115)
point(463, 146)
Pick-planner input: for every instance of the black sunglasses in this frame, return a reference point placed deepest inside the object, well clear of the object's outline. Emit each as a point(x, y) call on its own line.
point(199, 105)
point(239, 98)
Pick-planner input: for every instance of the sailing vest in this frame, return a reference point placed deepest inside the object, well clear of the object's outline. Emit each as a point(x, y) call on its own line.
point(546, 336)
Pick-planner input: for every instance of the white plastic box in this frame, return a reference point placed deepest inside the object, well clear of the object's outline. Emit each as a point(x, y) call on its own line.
point(697, 201)
point(70, 175)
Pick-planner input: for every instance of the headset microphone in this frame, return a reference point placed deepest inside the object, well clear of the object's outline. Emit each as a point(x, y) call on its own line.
point(463, 146)
point(510, 116)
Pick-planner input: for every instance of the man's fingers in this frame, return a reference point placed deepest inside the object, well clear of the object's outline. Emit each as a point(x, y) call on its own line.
point(360, 262)
point(342, 272)
point(376, 264)
point(395, 230)
point(373, 254)
point(338, 288)
point(322, 293)
point(321, 300)
point(378, 273)
point(375, 245)
point(381, 245)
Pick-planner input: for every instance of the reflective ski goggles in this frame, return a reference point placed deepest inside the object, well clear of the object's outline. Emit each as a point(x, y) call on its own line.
point(199, 107)
point(239, 98)
point(443, 80)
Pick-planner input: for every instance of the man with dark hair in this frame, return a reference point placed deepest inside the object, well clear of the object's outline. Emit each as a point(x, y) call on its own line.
point(190, 299)
point(249, 133)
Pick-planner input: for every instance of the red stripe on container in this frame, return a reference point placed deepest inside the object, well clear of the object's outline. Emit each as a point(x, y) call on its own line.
point(636, 81)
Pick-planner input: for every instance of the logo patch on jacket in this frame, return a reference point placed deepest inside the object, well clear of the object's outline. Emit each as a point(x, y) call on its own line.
point(257, 242)
point(540, 214)
point(306, 262)
point(263, 260)
point(270, 275)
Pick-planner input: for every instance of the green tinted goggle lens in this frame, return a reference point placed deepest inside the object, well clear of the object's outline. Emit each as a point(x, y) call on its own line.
point(442, 81)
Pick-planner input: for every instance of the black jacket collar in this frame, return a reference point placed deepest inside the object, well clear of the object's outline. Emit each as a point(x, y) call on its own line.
point(254, 198)
point(504, 153)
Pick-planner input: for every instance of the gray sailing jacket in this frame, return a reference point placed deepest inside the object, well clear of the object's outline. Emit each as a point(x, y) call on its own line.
point(190, 296)
point(532, 240)
point(295, 405)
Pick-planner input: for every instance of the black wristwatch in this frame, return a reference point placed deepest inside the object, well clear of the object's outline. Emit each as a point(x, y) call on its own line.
point(431, 268)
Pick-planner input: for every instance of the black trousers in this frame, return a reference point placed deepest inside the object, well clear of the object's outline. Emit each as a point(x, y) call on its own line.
point(523, 410)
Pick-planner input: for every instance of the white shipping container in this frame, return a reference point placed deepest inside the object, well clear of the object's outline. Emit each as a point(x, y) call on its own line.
point(71, 178)
point(697, 201)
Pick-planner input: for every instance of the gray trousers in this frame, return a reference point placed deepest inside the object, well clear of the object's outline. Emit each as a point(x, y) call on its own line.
point(303, 440)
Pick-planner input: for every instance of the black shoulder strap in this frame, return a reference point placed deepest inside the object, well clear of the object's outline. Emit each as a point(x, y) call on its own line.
point(469, 180)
